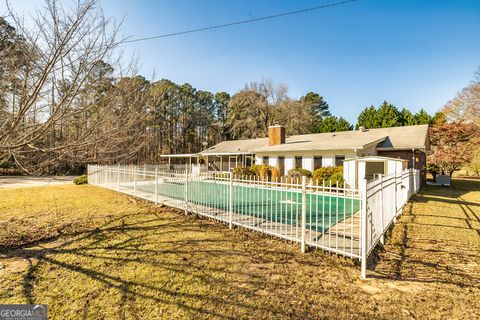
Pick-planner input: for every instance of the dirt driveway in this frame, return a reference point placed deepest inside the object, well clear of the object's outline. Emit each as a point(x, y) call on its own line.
point(33, 181)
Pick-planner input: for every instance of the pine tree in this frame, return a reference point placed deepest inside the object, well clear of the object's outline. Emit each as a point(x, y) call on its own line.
point(333, 124)
point(387, 116)
point(423, 117)
point(407, 118)
point(366, 118)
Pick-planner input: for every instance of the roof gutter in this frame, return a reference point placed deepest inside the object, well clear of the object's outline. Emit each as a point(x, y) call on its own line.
point(401, 149)
point(224, 153)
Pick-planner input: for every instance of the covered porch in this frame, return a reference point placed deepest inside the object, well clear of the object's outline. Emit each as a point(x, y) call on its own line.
point(225, 162)
point(180, 161)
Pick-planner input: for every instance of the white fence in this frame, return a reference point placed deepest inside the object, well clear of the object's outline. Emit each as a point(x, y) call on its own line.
point(311, 213)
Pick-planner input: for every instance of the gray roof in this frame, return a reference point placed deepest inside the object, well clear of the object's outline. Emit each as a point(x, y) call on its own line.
point(407, 137)
point(236, 146)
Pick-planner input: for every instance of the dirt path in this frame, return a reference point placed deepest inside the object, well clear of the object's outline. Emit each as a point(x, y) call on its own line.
point(33, 181)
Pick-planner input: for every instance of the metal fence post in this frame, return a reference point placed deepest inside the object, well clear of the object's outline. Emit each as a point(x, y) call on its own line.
point(186, 192)
point(303, 222)
point(396, 201)
point(363, 233)
point(118, 178)
point(156, 184)
point(230, 203)
point(382, 237)
point(414, 176)
point(135, 181)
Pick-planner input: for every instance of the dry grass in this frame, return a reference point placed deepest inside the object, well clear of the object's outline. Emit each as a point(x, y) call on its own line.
point(92, 253)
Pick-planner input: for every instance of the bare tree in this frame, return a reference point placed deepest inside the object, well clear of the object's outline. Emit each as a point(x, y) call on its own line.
point(466, 105)
point(247, 118)
point(53, 114)
point(274, 95)
point(265, 103)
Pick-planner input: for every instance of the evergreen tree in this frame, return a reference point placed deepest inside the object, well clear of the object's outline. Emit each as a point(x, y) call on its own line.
point(333, 124)
point(343, 125)
point(423, 117)
point(221, 113)
point(407, 118)
point(317, 103)
point(438, 118)
point(387, 116)
point(317, 107)
point(366, 118)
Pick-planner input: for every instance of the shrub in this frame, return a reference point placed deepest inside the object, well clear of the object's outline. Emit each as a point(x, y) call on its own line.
point(222, 175)
point(243, 171)
point(262, 170)
point(325, 173)
point(299, 172)
point(336, 180)
point(275, 173)
point(434, 170)
point(202, 160)
point(81, 180)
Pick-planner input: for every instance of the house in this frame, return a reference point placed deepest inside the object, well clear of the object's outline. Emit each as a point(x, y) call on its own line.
point(312, 151)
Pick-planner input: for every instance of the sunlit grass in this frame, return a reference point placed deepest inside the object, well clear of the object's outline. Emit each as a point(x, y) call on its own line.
point(93, 253)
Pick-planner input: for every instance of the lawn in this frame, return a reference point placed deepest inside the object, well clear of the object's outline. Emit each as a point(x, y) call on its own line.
point(92, 253)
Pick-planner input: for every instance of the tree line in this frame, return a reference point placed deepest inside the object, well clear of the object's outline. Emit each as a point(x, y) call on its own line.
point(67, 98)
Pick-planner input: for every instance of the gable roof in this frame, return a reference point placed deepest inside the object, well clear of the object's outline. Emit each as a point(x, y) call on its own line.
point(236, 146)
point(407, 137)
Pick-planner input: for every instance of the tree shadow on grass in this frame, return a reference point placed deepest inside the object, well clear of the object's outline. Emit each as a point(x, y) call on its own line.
point(460, 187)
point(133, 243)
point(418, 254)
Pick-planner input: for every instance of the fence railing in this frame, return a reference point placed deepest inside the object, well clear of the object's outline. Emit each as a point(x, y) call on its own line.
point(313, 214)
point(384, 198)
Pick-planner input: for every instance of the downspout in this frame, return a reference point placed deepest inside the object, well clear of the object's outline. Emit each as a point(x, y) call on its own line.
point(413, 158)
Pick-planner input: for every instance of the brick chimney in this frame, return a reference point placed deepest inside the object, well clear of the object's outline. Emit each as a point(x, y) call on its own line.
point(276, 135)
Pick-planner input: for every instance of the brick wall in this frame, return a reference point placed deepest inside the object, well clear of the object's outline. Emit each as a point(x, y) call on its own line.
point(276, 135)
point(420, 159)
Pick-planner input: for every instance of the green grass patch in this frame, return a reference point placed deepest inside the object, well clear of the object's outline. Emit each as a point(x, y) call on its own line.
point(96, 254)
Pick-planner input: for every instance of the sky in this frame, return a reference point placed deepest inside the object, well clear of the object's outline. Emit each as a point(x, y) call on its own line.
point(412, 53)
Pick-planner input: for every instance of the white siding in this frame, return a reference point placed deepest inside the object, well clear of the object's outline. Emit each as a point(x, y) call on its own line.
point(328, 161)
point(391, 167)
point(349, 173)
point(258, 159)
point(273, 161)
point(289, 164)
point(361, 175)
point(307, 163)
